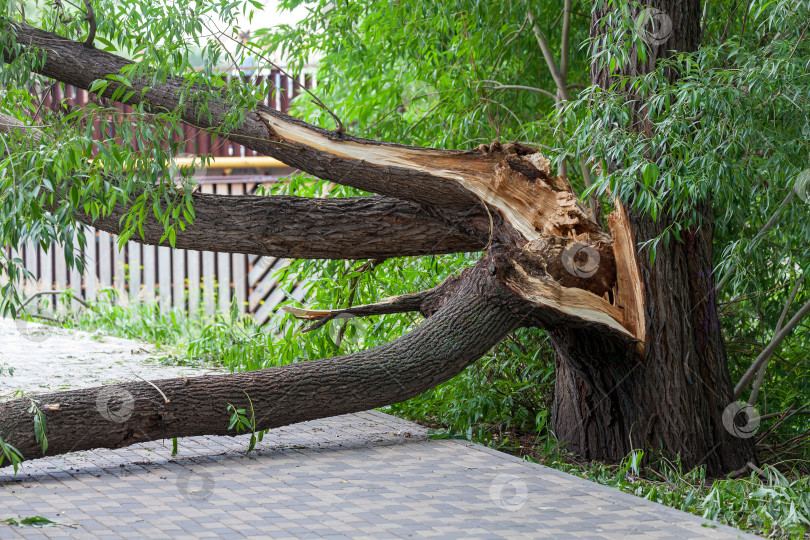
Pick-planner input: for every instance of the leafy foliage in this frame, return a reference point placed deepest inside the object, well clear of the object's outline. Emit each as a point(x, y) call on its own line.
point(766, 502)
point(45, 180)
point(240, 421)
point(504, 395)
point(10, 454)
point(503, 401)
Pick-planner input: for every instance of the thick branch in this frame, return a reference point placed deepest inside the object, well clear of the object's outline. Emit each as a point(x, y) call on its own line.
point(532, 203)
point(524, 203)
point(409, 173)
point(629, 283)
point(308, 228)
point(477, 316)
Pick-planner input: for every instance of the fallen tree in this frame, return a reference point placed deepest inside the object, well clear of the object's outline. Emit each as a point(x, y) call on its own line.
point(640, 359)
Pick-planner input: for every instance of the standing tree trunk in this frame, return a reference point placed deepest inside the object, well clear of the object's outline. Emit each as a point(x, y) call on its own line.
point(672, 399)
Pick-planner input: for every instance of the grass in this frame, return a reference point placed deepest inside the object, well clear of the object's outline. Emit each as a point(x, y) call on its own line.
point(502, 401)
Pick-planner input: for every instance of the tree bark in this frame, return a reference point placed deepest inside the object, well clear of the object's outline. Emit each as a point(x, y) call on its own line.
point(608, 403)
point(309, 228)
point(672, 399)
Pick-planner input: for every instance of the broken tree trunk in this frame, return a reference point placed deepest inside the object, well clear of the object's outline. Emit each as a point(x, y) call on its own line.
point(548, 264)
point(673, 398)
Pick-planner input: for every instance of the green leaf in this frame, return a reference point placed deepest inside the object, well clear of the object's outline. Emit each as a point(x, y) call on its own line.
point(32, 521)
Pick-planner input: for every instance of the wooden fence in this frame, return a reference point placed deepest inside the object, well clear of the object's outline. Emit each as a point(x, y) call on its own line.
point(198, 282)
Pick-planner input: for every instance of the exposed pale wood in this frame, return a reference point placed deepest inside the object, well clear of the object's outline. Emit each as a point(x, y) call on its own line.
point(629, 284)
point(576, 303)
point(395, 304)
point(240, 162)
point(536, 205)
point(302, 313)
point(440, 178)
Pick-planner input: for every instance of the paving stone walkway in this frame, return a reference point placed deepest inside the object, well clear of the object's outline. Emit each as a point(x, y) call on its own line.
point(46, 359)
point(367, 475)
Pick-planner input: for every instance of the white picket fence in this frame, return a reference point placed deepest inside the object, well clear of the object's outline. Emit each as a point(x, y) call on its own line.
point(200, 283)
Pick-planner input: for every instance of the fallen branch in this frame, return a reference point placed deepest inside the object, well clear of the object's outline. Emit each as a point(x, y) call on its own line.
point(44, 293)
point(478, 315)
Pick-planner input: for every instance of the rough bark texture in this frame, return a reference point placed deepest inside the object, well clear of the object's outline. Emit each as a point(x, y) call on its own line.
point(478, 315)
point(608, 402)
point(307, 228)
